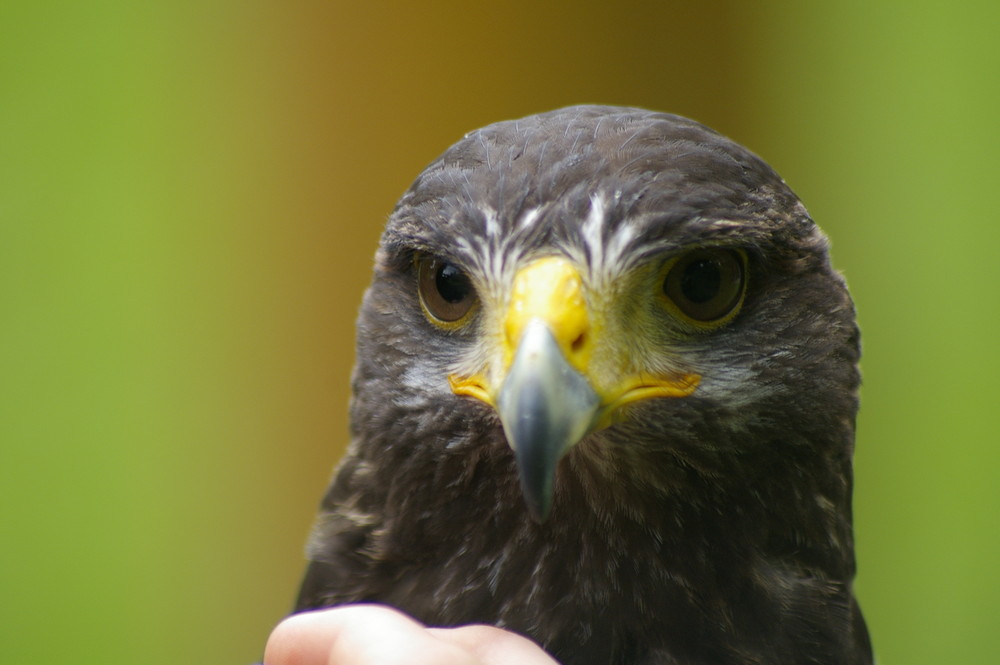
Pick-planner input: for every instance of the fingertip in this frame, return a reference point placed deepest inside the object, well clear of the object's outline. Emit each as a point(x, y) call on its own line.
point(495, 646)
point(359, 634)
point(296, 641)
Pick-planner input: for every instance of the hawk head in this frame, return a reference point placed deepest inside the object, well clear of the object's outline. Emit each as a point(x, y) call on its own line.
point(603, 363)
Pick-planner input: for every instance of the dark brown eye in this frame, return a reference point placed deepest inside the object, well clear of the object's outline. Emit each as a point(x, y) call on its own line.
point(446, 292)
point(707, 284)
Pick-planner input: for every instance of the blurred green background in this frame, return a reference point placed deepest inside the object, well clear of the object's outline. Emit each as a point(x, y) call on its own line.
point(190, 195)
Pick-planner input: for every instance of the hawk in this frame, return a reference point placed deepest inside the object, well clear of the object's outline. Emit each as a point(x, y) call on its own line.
point(604, 396)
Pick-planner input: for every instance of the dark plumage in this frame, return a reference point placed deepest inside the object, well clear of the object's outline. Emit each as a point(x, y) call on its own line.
point(707, 523)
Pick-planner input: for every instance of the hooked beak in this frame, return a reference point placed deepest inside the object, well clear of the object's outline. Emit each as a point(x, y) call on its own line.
point(547, 395)
point(545, 406)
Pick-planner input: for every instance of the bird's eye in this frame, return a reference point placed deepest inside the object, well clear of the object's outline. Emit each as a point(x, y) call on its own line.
point(446, 293)
point(707, 285)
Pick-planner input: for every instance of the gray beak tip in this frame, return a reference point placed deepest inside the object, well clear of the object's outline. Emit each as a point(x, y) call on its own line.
point(546, 407)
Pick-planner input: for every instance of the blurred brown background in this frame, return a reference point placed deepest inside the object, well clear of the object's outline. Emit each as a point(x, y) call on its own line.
point(191, 194)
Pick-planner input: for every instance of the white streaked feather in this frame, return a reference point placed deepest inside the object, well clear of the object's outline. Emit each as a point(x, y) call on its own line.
point(593, 227)
point(492, 222)
point(529, 218)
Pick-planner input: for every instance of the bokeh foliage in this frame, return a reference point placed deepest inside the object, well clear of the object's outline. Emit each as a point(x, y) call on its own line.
point(190, 194)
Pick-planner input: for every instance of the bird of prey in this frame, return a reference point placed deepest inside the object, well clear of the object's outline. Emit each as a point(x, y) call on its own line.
point(604, 396)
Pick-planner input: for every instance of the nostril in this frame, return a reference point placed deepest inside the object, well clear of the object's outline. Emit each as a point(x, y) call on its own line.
point(578, 343)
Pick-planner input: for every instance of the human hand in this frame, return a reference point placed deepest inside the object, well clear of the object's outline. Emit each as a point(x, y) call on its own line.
point(380, 635)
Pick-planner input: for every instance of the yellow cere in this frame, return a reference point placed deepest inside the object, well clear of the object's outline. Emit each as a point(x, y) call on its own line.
point(550, 289)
